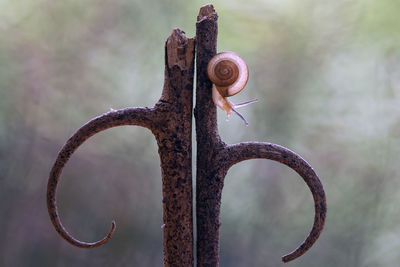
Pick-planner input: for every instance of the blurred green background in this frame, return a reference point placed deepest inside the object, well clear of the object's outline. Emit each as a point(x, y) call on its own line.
point(327, 76)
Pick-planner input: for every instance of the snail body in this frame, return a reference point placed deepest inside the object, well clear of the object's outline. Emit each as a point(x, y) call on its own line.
point(229, 74)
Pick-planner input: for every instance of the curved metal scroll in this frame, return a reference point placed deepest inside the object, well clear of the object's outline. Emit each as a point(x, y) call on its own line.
point(129, 116)
point(252, 150)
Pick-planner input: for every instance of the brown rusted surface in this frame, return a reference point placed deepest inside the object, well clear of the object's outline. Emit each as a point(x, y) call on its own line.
point(173, 134)
point(214, 157)
point(129, 116)
point(253, 150)
point(209, 177)
point(170, 120)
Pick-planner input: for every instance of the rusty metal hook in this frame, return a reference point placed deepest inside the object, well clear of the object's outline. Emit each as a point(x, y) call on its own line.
point(170, 121)
point(129, 116)
point(234, 154)
point(214, 157)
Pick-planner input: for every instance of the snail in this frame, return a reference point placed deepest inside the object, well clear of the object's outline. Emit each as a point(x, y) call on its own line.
point(229, 74)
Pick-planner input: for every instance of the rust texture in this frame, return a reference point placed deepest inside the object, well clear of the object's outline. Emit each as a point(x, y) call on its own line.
point(170, 120)
point(209, 179)
point(214, 157)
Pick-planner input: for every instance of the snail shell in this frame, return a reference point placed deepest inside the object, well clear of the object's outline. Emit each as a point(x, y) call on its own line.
point(229, 74)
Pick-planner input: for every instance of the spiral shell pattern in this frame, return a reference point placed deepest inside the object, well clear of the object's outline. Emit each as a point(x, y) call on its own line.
point(229, 72)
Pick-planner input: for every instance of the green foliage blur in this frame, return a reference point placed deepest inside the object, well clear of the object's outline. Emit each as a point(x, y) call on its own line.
point(327, 76)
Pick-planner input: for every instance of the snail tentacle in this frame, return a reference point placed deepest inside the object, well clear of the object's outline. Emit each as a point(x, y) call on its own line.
point(241, 116)
point(243, 104)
